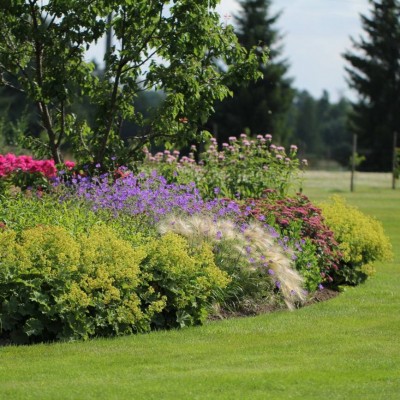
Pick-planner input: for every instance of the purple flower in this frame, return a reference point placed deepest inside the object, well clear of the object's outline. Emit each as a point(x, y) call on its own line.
point(147, 195)
point(271, 271)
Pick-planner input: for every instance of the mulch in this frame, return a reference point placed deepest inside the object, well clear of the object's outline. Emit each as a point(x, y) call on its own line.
point(322, 295)
point(317, 297)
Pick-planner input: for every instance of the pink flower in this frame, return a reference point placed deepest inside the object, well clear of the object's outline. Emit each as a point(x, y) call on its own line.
point(69, 164)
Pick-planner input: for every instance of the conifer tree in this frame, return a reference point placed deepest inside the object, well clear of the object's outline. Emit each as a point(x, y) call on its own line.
point(374, 72)
point(261, 106)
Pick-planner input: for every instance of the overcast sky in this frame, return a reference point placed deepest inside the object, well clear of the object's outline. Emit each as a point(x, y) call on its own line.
point(316, 33)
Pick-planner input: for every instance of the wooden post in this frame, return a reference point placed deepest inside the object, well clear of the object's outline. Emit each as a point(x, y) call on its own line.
point(394, 160)
point(353, 162)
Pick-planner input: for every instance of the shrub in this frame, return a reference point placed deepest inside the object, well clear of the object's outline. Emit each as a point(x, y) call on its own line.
point(185, 277)
point(361, 239)
point(243, 168)
point(27, 210)
point(24, 172)
point(55, 286)
point(256, 263)
point(304, 230)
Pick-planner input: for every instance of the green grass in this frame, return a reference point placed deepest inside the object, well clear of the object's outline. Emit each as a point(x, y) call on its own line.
point(347, 348)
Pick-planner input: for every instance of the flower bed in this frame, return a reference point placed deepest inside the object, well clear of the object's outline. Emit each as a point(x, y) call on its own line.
point(121, 253)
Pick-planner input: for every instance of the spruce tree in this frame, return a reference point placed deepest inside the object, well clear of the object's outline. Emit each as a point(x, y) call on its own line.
point(261, 106)
point(374, 72)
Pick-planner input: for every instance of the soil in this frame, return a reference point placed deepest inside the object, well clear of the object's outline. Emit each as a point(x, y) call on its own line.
point(258, 309)
point(322, 295)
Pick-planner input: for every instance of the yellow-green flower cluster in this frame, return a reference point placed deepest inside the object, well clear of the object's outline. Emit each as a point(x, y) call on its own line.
point(361, 238)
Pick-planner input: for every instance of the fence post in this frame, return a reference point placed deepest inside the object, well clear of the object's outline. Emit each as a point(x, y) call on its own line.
point(353, 162)
point(394, 160)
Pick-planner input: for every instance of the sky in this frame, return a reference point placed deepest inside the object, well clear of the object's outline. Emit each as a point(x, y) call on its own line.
point(315, 35)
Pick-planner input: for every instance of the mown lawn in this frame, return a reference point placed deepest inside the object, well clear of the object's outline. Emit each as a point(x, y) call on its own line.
point(346, 348)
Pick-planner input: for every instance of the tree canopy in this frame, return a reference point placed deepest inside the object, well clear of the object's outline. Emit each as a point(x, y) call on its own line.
point(179, 47)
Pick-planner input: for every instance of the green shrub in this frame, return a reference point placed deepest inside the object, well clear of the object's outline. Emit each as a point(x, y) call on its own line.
point(242, 168)
point(24, 210)
point(56, 286)
point(361, 239)
point(185, 277)
point(260, 270)
point(302, 228)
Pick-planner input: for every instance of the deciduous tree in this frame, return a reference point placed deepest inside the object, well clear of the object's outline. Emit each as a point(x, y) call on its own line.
point(173, 46)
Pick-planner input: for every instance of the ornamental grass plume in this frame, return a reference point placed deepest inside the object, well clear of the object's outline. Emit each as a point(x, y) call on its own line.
point(255, 249)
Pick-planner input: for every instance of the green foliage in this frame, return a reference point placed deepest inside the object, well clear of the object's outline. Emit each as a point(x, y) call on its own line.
point(174, 48)
point(244, 168)
point(302, 226)
point(319, 127)
point(65, 273)
point(55, 286)
point(361, 239)
point(373, 71)
point(261, 272)
point(24, 211)
point(185, 276)
point(27, 210)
